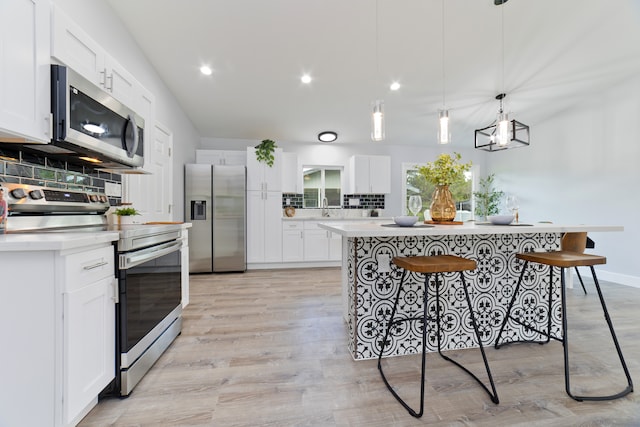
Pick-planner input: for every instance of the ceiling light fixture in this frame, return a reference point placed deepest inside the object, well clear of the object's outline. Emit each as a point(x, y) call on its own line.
point(377, 116)
point(306, 79)
point(502, 133)
point(444, 135)
point(327, 136)
point(206, 70)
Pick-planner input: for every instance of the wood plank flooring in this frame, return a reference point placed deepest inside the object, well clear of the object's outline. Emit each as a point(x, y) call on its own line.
point(268, 348)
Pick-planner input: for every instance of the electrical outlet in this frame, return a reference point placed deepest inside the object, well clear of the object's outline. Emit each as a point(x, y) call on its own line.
point(384, 263)
point(354, 202)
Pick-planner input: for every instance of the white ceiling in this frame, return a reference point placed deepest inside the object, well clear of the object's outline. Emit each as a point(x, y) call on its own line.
point(556, 53)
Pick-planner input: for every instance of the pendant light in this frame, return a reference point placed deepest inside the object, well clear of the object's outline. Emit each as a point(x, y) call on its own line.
point(377, 116)
point(502, 133)
point(444, 135)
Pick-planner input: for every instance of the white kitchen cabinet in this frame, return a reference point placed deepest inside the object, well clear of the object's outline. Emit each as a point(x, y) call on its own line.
point(291, 175)
point(292, 241)
point(63, 314)
point(370, 174)
point(320, 244)
point(25, 72)
point(262, 177)
point(264, 227)
point(222, 157)
point(73, 47)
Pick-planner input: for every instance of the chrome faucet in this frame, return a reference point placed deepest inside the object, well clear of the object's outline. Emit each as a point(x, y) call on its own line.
point(325, 207)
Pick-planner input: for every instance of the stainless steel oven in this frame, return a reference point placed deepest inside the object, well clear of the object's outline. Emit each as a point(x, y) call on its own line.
point(149, 308)
point(149, 271)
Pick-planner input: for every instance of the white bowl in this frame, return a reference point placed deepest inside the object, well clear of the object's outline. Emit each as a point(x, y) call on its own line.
point(500, 219)
point(405, 221)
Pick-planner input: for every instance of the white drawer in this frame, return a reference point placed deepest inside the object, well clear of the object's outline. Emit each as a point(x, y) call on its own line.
point(292, 225)
point(84, 268)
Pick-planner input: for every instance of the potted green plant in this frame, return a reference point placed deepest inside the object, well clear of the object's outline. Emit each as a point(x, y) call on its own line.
point(125, 214)
point(487, 199)
point(443, 172)
point(265, 150)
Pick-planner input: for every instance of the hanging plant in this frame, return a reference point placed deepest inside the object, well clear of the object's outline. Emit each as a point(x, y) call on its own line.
point(265, 150)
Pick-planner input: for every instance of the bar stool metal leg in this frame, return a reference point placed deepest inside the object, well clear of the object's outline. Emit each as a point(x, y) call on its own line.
point(546, 334)
point(565, 344)
point(493, 393)
point(393, 322)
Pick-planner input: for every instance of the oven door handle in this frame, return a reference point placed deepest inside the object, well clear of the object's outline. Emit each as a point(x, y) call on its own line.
point(132, 259)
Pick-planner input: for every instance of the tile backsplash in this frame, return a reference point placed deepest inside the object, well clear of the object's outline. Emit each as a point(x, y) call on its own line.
point(365, 201)
point(23, 167)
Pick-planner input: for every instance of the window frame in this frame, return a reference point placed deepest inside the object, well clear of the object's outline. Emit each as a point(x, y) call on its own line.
point(322, 188)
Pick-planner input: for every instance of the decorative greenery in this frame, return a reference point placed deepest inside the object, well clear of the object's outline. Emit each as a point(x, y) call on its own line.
point(264, 151)
point(128, 211)
point(445, 170)
point(487, 199)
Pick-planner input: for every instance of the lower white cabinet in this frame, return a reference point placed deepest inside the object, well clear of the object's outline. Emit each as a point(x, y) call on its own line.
point(61, 308)
point(306, 241)
point(89, 344)
point(292, 241)
point(264, 227)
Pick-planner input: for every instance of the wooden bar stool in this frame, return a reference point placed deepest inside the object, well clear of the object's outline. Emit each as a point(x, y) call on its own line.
point(433, 265)
point(566, 258)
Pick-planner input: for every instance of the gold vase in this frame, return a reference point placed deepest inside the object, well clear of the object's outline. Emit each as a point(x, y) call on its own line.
point(442, 206)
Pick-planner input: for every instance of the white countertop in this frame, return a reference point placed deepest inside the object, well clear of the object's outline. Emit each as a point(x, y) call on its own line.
point(337, 218)
point(374, 228)
point(54, 241)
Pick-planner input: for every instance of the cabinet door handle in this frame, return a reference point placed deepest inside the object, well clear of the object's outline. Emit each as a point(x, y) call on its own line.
point(116, 291)
point(103, 74)
point(96, 265)
point(110, 87)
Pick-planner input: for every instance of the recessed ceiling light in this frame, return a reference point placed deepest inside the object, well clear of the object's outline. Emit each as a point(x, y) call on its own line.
point(306, 79)
point(206, 70)
point(394, 86)
point(327, 136)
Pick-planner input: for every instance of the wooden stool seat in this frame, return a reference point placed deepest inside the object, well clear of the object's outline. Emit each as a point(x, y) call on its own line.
point(563, 259)
point(434, 264)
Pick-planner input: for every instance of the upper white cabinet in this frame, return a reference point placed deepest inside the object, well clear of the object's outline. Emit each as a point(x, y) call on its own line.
point(291, 180)
point(262, 177)
point(370, 174)
point(25, 73)
point(72, 46)
point(221, 157)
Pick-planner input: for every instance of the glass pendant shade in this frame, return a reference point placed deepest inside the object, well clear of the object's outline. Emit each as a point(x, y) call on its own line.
point(444, 136)
point(377, 121)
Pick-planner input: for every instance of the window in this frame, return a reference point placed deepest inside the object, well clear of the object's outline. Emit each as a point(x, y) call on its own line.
point(320, 182)
point(415, 184)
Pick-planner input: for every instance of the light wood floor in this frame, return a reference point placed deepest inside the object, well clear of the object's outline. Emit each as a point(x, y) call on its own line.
point(268, 348)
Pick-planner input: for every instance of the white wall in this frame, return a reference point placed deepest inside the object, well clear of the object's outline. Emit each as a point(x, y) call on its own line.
point(582, 167)
point(99, 21)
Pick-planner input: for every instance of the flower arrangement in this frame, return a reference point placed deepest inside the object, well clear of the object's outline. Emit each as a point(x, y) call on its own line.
point(445, 170)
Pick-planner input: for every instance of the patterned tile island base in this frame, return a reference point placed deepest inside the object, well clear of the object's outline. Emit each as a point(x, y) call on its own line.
point(370, 282)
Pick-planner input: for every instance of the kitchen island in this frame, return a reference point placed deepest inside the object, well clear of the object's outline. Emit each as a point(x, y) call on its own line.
point(370, 280)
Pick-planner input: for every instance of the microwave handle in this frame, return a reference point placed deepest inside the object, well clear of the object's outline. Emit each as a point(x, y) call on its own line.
point(131, 121)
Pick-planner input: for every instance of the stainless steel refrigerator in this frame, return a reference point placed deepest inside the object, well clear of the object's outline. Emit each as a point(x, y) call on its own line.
point(215, 205)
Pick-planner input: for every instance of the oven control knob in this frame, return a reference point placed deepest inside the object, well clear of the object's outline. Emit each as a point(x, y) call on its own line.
point(36, 194)
point(103, 199)
point(93, 198)
point(18, 193)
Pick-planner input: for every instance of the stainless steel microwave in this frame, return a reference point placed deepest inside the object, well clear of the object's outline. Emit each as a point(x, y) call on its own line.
point(92, 124)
